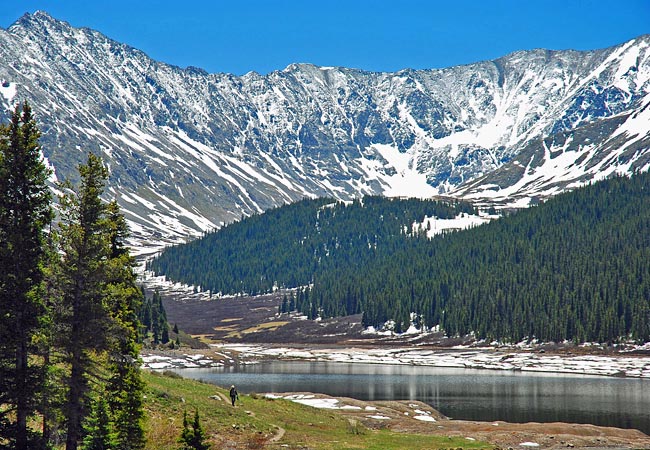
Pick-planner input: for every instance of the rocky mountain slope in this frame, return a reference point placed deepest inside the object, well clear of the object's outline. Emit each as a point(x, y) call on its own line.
point(189, 150)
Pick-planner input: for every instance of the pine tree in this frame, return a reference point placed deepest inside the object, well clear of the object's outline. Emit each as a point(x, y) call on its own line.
point(198, 439)
point(186, 434)
point(86, 246)
point(162, 314)
point(145, 316)
point(124, 299)
point(97, 428)
point(164, 339)
point(54, 392)
point(284, 306)
point(194, 438)
point(292, 302)
point(126, 387)
point(159, 320)
point(100, 302)
point(25, 211)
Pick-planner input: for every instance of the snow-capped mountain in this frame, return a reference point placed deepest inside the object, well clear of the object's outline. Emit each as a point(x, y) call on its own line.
point(188, 150)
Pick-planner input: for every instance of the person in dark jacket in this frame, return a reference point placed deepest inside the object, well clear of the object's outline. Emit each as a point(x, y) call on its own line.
point(233, 395)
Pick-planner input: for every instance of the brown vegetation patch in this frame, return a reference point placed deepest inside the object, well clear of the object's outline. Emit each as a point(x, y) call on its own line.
point(268, 326)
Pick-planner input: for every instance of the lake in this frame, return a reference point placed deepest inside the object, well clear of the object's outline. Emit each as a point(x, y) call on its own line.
point(471, 394)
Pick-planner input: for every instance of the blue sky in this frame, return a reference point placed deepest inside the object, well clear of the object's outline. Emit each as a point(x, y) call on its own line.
point(238, 36)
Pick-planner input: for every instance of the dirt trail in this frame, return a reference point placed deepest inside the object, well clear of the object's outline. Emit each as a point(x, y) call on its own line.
point(279, 435)
point(220, 396)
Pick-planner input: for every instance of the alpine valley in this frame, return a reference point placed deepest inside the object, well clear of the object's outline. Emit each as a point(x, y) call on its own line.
point(189, 151)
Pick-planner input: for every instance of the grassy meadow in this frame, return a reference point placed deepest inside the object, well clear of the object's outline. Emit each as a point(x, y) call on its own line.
point(256, 420)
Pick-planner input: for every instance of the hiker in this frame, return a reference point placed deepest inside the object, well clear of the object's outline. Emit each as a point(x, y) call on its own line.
point(233, 394)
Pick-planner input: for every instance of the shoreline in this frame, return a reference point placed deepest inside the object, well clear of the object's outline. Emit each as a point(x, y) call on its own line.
point(468, 358)
point(417, 417)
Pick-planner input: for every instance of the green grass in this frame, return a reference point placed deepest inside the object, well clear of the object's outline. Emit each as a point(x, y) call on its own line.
point(255, 419)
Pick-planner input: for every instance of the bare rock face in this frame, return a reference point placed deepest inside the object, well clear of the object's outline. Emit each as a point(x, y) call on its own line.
point(188, 150)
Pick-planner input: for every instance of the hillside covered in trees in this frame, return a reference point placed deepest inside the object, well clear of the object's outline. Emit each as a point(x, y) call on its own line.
point(574, 268)
point(287, 246)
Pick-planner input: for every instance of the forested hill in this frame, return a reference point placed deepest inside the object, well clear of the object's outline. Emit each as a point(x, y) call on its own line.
point(289, 245)
point(576, 267)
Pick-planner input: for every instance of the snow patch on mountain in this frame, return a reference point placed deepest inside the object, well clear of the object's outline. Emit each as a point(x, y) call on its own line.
point(434, 226)
point(406, 181)
point(8, 91)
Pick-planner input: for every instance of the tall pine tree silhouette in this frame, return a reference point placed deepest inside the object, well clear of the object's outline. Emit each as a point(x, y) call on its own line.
point(25, 212)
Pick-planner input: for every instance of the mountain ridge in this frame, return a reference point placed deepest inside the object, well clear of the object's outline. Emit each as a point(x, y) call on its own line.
point(189, 150)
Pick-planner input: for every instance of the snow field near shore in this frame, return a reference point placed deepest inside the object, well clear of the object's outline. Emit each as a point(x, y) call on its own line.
point(335, 403)
point(160, 362)
point(627, 366)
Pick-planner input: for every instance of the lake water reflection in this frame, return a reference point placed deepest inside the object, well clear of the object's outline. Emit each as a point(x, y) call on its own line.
point(458, 393)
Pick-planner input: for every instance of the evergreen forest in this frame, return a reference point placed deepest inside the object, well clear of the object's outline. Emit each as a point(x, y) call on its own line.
point(69, 305)
point(285, 247)
point(576, 267)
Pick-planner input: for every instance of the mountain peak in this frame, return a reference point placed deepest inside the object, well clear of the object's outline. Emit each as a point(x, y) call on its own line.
point(38, 16)
point(188, 150)
point(300, 67)
point(43, 15)
point(37, 22)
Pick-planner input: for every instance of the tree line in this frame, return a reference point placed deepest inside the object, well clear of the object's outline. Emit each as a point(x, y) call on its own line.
point(576, 267)
point(69, 305)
